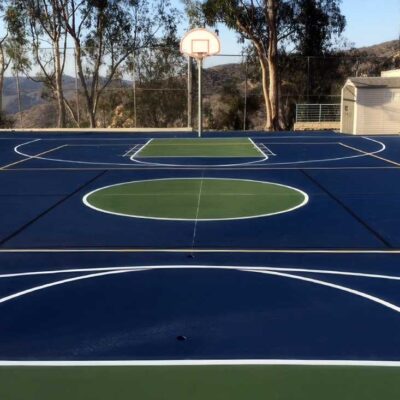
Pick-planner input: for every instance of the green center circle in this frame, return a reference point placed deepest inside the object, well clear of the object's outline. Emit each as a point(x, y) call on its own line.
point(196, 199)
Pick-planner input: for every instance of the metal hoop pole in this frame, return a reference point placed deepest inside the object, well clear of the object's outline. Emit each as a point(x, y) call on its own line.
point(200, 100)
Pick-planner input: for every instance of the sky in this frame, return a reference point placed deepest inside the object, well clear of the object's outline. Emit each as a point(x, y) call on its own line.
point(369, 22)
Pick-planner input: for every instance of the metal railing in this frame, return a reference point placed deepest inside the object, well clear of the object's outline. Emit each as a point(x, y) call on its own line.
point(318, 112)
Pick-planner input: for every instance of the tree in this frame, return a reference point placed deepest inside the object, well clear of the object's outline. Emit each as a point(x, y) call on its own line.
point(44, 25)
point(105, 33)
point(4, 62)
point(270, 24)
point(12, 43)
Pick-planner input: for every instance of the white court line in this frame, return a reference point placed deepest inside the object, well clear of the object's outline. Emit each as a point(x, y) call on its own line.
point(237, 362)
point(365, 295)
point(57, 283)
point(197, 211)
point(149, 163)
point(258, 148)
point(270, 152)
point(121, 270)
point(150, 267)
point(303, 203)
point(383, 147)
point(32, 156)
point(131, 150)
point(254, 136)
point(140, 149)
point(192, 363)
point(371, 154)
point(205, 250)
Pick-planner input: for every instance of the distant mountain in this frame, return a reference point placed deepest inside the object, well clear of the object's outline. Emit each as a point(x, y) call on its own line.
point(385, 49)
point(39, 111)
point(31, 93)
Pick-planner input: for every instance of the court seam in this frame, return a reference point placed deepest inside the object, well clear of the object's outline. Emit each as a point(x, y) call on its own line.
point(348, 209)
point(55, 205)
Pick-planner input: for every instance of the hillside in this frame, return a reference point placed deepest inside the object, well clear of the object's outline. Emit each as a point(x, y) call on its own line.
point(31, 93)
point(385, 49)
point(218, 82)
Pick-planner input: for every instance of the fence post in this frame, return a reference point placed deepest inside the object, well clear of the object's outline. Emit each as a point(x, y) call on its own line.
point(78, 113)
point(19, 97)
point(245, 94)
point(320, 112)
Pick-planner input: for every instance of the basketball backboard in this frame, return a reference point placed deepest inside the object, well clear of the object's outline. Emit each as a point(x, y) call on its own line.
point(200, 43)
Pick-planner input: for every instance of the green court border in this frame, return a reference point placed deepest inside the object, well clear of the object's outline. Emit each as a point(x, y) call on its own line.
point(200, 383)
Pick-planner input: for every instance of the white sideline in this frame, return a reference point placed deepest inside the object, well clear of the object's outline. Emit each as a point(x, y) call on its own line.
point(192, 363)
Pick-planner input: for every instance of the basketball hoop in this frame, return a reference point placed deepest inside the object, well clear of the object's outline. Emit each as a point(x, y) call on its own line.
point(200, 43)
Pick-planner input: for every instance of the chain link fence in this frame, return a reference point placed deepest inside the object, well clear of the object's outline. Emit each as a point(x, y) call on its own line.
point(157, 88)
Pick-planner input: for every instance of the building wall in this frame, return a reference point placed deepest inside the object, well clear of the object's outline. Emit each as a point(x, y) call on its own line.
point(391, 74)
point(378, 111)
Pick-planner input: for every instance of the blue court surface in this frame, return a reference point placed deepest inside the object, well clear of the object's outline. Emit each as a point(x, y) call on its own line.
point(319, 285)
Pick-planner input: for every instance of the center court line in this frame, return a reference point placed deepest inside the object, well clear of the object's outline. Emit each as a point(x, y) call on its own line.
point(33, 156)
point(197, 211)
point(371, 154)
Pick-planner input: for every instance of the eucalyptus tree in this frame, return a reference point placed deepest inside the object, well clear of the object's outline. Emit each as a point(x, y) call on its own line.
point(105, 33)
point(271, 24)
point(4, 60)
point(12, 43)
point(43, 28)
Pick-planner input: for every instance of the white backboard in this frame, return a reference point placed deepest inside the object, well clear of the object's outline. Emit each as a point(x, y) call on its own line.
point(200, 43)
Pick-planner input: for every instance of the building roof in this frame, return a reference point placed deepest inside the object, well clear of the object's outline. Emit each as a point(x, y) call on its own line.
point(373, 83)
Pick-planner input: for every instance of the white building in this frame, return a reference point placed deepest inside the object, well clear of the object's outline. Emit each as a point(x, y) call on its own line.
point(371, 106)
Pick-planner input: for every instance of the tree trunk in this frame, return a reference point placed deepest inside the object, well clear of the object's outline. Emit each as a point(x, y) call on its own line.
point(59, 87)
point(272, 16)
point(88, 97)
point(2, 71)
point(265, 87)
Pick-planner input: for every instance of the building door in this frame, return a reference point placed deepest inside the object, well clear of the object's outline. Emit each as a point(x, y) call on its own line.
point(348, 108)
